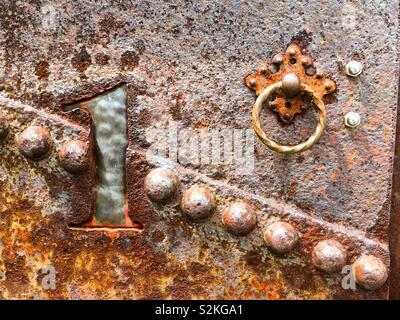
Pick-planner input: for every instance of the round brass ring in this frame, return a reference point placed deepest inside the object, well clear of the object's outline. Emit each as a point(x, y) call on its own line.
point(313, 139)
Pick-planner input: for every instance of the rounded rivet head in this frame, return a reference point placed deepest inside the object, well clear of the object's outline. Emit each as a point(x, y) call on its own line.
point(329, 256)
point(35, 143)
point(3, 128)
point(292, 51)
point(319, 73)
point(328, 85)
point(73, 156)
point(281, 237)
point(252, 82)
point(278, 59)
point(161, 184)
point(291, 85)
point(306, 61)
point(198, 202)
point(370, 272)
point(239, 218)
point(263, 69)
point(354, 68)
point(352, 120)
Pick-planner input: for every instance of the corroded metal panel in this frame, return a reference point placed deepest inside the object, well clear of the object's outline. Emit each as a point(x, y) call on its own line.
point(182, 67)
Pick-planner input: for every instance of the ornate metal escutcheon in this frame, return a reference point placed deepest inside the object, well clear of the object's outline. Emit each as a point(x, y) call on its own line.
point(290, 85)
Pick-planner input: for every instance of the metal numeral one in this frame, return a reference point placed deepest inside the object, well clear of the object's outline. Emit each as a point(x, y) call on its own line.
point(108, 114)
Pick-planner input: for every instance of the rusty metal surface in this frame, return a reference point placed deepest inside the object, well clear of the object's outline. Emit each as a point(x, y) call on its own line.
point(186, 62)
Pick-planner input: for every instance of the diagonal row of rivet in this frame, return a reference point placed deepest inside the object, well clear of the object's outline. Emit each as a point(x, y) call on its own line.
point(35, 143)
point(239, 218)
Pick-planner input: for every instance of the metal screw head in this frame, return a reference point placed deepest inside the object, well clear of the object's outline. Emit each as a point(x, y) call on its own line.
point(329, 256)
point(161, 185)
point(291, 85)
point(352, 120)
point(198, 202)
point(370, 272)
point(3, 128)
point(239, 218)
point(35, 143)
point(73, 156)
point(354, 68)
point(281, 237)
point(253, 82)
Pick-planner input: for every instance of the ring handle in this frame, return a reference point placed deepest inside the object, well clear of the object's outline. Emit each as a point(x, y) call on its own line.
point(313, 139)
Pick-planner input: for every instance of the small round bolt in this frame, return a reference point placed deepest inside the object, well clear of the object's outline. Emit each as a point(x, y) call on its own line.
point(35, 143)
point(73, 156)
point(287, 116)
point(3, 128)
point(328, 85)
point(370, 272)
point(198, 202)
point(253, 82)
point(292, 52)
point(354, 68)
point(263, 69)
point(352, 120)
point(319, 73)
point(291, 85)
point(329, 256)
point(278, 59)
point(161, 184)
point(281, 237)
point(306, 61)
point(239, 218)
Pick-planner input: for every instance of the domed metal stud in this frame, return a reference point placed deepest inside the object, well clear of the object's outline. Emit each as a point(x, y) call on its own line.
point(370, 272)
point(198, 202)
point(161, 185)
point(291, 85)
point(73, 156)
point(329, 256)
point(35, 143)
point(281, 237)
point(239, 218)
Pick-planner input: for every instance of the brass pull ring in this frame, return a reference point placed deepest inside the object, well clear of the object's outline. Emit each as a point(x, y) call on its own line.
point(313, 139)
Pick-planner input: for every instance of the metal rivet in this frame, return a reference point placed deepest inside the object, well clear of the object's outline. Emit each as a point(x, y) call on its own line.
point(328, 85)
point(161, 184)
point(291, 85)
point(354, 68)
point(35, 143)
point(198, 202)
point(370, 272)
point(281, 237)
point(3, 128)
point(287, 116)
point(239, 218)
point(253, 82)
point(319, 73)
point(292, 52)
point(329, 256)
point(352, 120)
point(278, 59)
point(263, 69)
point(73, 156)
point(306, 61)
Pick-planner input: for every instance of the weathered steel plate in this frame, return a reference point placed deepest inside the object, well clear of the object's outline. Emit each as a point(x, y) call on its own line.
point(184, 65)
